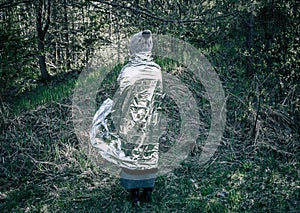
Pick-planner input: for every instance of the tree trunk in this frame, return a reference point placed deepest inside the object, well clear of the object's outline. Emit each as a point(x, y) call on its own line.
point(42, 60)
point(41, 32)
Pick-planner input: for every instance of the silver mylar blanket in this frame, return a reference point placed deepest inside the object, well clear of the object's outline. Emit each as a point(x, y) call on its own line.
point(133, 142)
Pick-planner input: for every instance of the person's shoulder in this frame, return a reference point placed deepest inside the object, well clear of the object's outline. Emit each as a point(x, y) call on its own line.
point(126, 66)
point(152, 63)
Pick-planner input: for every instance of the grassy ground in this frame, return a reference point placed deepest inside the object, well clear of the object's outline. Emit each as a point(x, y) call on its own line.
point(43, 168)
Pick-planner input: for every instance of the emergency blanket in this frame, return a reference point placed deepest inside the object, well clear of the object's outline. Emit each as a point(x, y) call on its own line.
point(126, 130)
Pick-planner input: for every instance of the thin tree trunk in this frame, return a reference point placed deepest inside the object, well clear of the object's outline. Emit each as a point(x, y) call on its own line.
point(42, 60)
point(41, 32)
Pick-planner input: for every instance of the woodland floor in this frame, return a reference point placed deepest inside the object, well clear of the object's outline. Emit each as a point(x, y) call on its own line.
point(43, 168)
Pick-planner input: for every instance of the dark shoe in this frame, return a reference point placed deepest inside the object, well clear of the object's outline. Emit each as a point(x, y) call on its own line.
point(146, 195)
point(135, 196)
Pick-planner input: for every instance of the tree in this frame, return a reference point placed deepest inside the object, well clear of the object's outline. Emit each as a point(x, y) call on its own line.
point(42, 8)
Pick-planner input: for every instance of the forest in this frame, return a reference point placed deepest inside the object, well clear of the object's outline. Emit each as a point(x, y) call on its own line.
point(253, 46)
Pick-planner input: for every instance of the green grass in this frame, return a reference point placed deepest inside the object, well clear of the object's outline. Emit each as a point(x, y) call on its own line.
point(215, 189)
point(43, 94)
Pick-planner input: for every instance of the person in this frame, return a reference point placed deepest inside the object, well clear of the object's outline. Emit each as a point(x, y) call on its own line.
point(135, 112)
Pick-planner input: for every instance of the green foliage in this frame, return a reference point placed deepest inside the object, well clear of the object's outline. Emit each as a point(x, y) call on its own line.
point(17, 60)
point(46, 93)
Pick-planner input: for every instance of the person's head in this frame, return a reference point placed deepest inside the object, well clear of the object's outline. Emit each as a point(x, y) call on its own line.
point(141, 42)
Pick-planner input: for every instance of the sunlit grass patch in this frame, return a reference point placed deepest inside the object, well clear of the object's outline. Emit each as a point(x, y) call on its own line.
point(43, 94)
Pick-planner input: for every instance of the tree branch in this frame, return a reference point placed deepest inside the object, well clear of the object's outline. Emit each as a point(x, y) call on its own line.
point(148, 13)
point(12, 4)
point(47, 24)
point(38, 6)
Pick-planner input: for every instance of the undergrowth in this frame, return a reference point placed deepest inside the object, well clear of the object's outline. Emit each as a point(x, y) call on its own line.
point(44, 169)
point(44, 93)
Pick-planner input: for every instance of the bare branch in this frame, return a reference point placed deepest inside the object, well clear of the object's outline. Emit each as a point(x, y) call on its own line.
point(47, 24)
point(9, 4)
point(148, 13)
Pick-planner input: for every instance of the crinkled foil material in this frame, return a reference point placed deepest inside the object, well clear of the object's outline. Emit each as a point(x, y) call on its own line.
point(126, 130)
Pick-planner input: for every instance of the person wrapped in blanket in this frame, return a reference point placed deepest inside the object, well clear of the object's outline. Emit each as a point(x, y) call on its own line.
point(141, 90)
point(134, 144)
